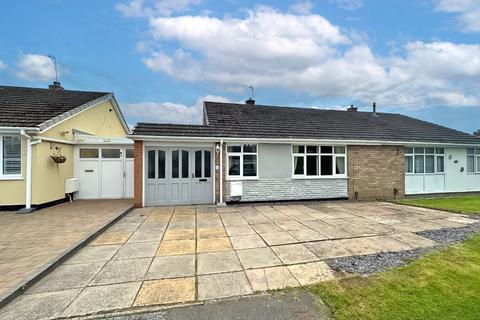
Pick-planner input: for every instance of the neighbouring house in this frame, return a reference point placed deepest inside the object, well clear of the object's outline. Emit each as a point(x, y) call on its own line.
point(85, 133)
point(248, 152)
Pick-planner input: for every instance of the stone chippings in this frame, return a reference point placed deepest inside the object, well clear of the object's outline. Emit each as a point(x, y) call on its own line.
point(372, 263)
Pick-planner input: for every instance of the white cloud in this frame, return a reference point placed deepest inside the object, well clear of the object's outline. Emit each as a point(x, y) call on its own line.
point(306, 53)
point(139, 8)
point(302, 7)
point(35, 67)
point(169, 112)
point(468, 12)
point(2, 65)
point(348, 4)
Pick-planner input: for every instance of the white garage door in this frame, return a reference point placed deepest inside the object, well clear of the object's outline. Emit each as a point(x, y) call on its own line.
point(105, 172)
point(178, 176)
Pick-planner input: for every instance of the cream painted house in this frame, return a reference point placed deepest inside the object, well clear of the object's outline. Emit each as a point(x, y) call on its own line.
point(85, 128)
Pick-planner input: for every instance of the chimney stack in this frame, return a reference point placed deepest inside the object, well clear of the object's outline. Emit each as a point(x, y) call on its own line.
point(250, 101)
point(55, 86)
point(352, 108)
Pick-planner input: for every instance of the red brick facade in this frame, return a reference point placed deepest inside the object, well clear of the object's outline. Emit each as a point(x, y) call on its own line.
point(138, 174)
point(376, 172)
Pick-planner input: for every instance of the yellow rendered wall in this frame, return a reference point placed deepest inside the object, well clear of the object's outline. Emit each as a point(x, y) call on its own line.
point(48, 179)
point(98, 121)
point(12, 192)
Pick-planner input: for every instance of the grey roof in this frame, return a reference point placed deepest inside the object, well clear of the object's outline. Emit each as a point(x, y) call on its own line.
point(261, 121)
point(30, 107)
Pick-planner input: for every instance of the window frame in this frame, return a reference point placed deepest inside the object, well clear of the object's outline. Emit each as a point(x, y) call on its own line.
point(318, 154)
point(240, 154)
point(10, 176)
point(476, 161)
point(415, 152)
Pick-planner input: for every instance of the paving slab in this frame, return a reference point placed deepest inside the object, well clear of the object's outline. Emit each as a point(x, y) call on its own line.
point(181, 225)
point(223, 285)
point(414, 240)
point(103, 298)
point(146, 236)
point(307, 235)
point(239, 230)
point(328, 249)
point(118, 271)
point(213, 244)
point(166, 291)
point(310, 273)
point(211, 232)
point(258, 258)
point(273, 278)
point(94, 254)
point(68, 276)
point(277, 238)
point(113, 237)
point(294, 253)
point(176, 247)
point(137, 250)
point(217, 262)
point(178, 234)
point(172, 267)
point(266, 228)
point(39, 306)
point(247, 241)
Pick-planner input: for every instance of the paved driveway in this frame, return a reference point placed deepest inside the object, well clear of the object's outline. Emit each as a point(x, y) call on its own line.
point(170, 255)
point(29, 242)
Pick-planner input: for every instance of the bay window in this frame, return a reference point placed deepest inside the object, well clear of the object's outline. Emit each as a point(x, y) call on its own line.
point(10, 155)
point(473, 160)
point(242, 160)
point(424, 160)
point(318, 161)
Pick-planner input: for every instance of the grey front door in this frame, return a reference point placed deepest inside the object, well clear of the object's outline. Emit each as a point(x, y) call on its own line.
point(178, 175)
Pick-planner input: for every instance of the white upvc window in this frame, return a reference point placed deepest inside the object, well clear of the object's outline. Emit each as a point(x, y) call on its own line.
point(424, 160)
point(10, 156)
point(316, 161)
point(473, 160)
point(242, 161)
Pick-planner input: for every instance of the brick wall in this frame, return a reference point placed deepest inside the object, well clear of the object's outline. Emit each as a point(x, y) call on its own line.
point(275, 189)
point(217, 175)
point(138, 174)
point(375, 171)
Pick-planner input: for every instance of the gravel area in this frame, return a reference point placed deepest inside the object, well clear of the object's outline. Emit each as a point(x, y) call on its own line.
point(383, 261)
point(451, 235)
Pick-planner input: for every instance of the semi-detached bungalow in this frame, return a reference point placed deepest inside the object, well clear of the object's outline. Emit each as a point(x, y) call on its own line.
point(55, 142)
point(248, 152)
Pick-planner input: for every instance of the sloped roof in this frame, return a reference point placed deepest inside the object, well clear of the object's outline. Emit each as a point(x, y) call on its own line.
point(30, 107)
point(262, 121)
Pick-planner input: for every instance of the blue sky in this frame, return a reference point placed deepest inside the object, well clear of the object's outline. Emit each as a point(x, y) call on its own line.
point(161, 58)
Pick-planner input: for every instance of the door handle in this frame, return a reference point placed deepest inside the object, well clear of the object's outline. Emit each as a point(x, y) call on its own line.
point(202, 180)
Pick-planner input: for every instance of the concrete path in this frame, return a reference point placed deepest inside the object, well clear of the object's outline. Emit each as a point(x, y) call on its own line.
point(174, 255)
point(29, 242)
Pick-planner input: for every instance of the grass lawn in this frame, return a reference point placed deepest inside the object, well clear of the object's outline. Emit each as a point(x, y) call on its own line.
point(468, 204)
point(441, 285)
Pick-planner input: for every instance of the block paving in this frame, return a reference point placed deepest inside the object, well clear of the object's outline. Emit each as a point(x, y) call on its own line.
point(176, 255)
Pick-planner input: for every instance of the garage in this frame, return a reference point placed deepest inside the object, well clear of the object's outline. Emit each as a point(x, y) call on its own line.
point(105, 172)
point(178, 175)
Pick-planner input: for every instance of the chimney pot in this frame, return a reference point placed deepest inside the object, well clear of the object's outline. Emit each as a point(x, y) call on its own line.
point(250, 101)
point(352, 108)
point(55, 86)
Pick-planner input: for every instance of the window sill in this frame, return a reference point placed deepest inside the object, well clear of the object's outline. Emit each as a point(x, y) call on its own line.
point(241, 178)
point(426, 174)
point(319, 178)
point(10, 178)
